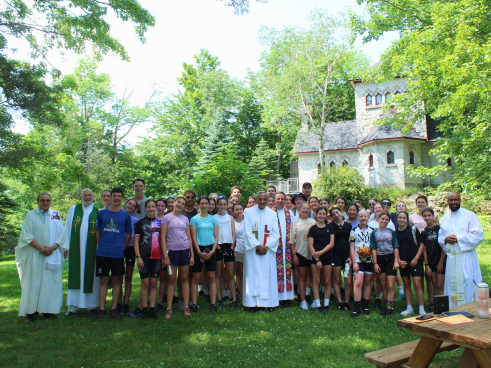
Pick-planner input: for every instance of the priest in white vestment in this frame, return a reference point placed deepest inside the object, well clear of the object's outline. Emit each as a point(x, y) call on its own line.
point(284, 261)
point(460, 234)
point(83, 286)
point(39, 258)
point(261, 235)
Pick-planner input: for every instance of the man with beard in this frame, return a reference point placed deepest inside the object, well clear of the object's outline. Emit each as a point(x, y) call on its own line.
point(83, 286)
point(460, 234)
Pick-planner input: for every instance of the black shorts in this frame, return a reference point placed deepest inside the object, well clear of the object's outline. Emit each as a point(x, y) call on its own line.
point(327, 261)
point(151, 268)
point(225, 254)
point(416, 271)
point(211, 264)
point(179, 257)
point(104, 265)
point(129, 256)
point(386, 264)
point(364, 267)
point(339, 260)
point(302, 261)
point(434, 268)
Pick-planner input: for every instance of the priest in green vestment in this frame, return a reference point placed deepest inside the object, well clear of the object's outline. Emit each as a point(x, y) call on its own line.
point(83, 286)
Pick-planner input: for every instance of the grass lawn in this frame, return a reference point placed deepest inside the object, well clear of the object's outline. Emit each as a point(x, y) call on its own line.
point(283, 338)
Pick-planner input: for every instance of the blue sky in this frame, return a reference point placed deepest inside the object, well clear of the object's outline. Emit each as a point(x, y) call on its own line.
point(184, 27)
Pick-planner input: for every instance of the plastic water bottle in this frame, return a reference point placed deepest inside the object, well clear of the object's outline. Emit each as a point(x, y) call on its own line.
point(483, 300)
point(346, 269)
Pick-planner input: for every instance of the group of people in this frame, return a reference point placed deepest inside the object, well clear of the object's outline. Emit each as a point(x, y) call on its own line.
point(275, 246)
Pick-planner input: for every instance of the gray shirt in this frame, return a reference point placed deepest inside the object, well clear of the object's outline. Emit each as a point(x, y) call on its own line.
point(140, 211)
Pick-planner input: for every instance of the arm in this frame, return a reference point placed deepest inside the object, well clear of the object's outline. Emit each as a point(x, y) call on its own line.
point(192, 230)
point(215, 245)
point(127, 240)
point(396, 259)
point(163, 243)
point(474, 236)
point(416, 258)
point(190, 246)
point(139, 261)
point(232, 222)
point(294, 254)
point(439, 269)
point(373, 247)
point(353, 256)
point(329, 246)
point(98, 236)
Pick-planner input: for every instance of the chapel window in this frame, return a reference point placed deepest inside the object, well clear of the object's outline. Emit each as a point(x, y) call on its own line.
point(411, 158)
point(370, 160)
point(449, 161)
point(332, 164)
point(369, 100)
point(390, 158)
point(345, 163)
point(387, 96)
point(378, 99)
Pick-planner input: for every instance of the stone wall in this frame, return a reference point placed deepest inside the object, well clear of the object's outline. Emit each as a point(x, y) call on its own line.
point(307, 163)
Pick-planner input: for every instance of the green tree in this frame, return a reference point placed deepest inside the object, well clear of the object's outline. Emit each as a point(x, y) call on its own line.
point(217, 140)
point(306, 72)
point(8, 228)
point(263, 161)
point(443, 52)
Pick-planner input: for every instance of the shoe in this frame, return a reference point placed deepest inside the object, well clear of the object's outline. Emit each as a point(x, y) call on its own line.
point(384, 312)
point(115, 314)
point(430, 307)
point(70, 313)
point(377, 302)
point(326, 308)
point(99, 315)
point(180, 305)
point(119, 308)
point(160, 308)
point(136, 313)
point(206, 298)
point(313, 305)
point(50, 316)
point(233, 305)
point(226, 298)
point(168, 313)
point(389, 312)
point(187, 313)
point(220, 304)
point(407, 312)
point(400, 298)
point(341, 307)
point(213, 307)
point(145, 313)
point(32, 317)
point(366, 311)
point(286, 304)
point(152, 315)
point(355, 313)
point(347, 307)
point(175, 300)
point(253, 309)
point(320, 310)
point(304, 305)
point(195, 308)
point(92, 311)
point(126, 309)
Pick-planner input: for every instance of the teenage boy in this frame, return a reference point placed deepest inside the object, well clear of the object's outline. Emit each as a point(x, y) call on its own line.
point(236, 191)
point(271, 190)
point(141, 200)
point(307, 190)
point(106, 198)
point(190, 210)
point(113, 234)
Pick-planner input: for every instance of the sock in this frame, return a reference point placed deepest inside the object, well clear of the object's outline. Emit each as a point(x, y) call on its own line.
point(401, 290)
point(422, 309)
point(365, 304)
point(409, 307)
point(390, 305)
point(152, 309)
point(317, 303)
point(206, 291)
point(357, 306)
point(307, 291)
point(326, 302)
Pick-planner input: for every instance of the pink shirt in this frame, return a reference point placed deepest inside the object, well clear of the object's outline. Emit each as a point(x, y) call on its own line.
point(419, 222)
point(176, 239)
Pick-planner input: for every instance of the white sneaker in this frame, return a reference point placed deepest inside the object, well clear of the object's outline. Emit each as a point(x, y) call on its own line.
point(407, 312)
point(313, 305)
point(421, 312)
point(304, 305)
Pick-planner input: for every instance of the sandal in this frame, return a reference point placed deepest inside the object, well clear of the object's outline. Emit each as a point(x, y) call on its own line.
point(168, 313)
point(187, 313)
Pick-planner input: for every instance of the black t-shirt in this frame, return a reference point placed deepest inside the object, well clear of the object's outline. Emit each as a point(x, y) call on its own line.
point(429, 236)
point(148, 230)
point(191, 214)
point(407, 247)
point(341, 240)
point(322, 238)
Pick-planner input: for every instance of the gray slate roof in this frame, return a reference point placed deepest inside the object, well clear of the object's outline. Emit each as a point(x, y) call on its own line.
point(387, 132)
point(337, 136)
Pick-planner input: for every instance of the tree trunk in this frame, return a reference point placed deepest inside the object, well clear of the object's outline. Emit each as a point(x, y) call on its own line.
point(322, 155)
point(278, 161)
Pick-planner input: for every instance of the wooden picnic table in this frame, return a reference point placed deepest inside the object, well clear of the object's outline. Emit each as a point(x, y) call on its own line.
point(475, 337)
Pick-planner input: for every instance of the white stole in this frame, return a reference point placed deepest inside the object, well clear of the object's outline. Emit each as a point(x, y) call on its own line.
point(454, 260)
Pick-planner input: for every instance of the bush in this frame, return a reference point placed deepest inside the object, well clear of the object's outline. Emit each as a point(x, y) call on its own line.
point(342, 181)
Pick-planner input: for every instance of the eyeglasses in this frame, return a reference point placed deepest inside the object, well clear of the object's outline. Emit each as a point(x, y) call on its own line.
point(189, 197)
point(386, 203)
point(371, 204)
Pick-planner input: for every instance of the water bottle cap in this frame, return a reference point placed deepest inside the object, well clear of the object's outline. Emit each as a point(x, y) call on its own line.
point(482, 285)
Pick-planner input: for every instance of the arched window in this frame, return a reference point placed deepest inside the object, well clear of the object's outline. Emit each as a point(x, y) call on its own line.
point(370, 160)
point(397, 93)
point(387, 96)
point(390, 158)
point(411, 158)
point(378, 100)
point(369, 100)
point(345, 163)
point(332, 164)
point(449, 161)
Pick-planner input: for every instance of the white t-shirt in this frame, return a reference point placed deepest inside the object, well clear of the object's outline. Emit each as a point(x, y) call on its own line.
point(224, 229)
point(362, 240)
point(239, 237)
point(374, 224)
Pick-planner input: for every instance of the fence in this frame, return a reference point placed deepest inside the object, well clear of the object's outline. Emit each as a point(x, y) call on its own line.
point(288, 186)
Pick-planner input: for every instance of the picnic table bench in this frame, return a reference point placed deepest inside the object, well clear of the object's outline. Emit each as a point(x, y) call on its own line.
point(475, 337)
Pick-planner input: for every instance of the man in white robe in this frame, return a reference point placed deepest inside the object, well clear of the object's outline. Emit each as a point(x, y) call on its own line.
point(39, 258)
point(80, 222)
point(460, 234)
point(261, 235)
point(284, 260)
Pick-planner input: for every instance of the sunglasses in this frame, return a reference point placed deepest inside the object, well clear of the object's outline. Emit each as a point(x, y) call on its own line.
point(386, 203)
point(221, 196)
point(371, 204)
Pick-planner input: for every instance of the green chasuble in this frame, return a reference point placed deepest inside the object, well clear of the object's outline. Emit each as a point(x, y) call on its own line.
point(90, 253)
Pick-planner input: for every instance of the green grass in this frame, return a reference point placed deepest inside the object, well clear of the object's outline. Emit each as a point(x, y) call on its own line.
point(283, 338)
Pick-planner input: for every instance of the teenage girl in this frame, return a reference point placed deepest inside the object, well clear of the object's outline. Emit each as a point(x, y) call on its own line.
point(341, 203)
point(161, 207)
point(385, 255)
point(212, 210)
point(289, 202)
point(239, 245)
point(251, 202)
point(321, 241)
point(352, 212)
point(314, 203)
point(325, 202)
point(129, 255)
point(226, 241)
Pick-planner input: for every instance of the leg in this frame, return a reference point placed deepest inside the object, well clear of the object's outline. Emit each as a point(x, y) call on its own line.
point(348, 287)
point(103, 291)
point(359, 277)
point(218, 279)
point(171, 281)
point(429, 288)
point(367, 286)
point(162, 286)
point(424, 352)
point(302, 281)
point(153, 291)
point(382, 279)
point(239, 272)
point(117, 284)
point(144, 293)
point(213, 286)
point(336, 274)
point(316, 279)
point(327, 271)
point(229, 270)
point(407, 289)
point(440, 282)
point(377, 287)
point(391, 281)
point(196, 276)
point(468, 360)
point(419, 291)
point(184, 277)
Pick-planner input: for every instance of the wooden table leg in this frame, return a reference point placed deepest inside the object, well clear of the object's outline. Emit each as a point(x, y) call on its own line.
point(483, 357)
point(424, 353)
point(468, 360)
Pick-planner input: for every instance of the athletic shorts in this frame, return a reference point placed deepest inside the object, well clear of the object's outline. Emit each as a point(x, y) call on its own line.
point(179, 257)
point(302, 261)
point(211, 264)
point(129, 256)
point(239, 257)
point(434, 268)
point(386, 264)
point(104, 265)
point(339, 260)
point(151, 268)
point(416, 271)
point(365, 267)
point(325, 262)
point(225, 254)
